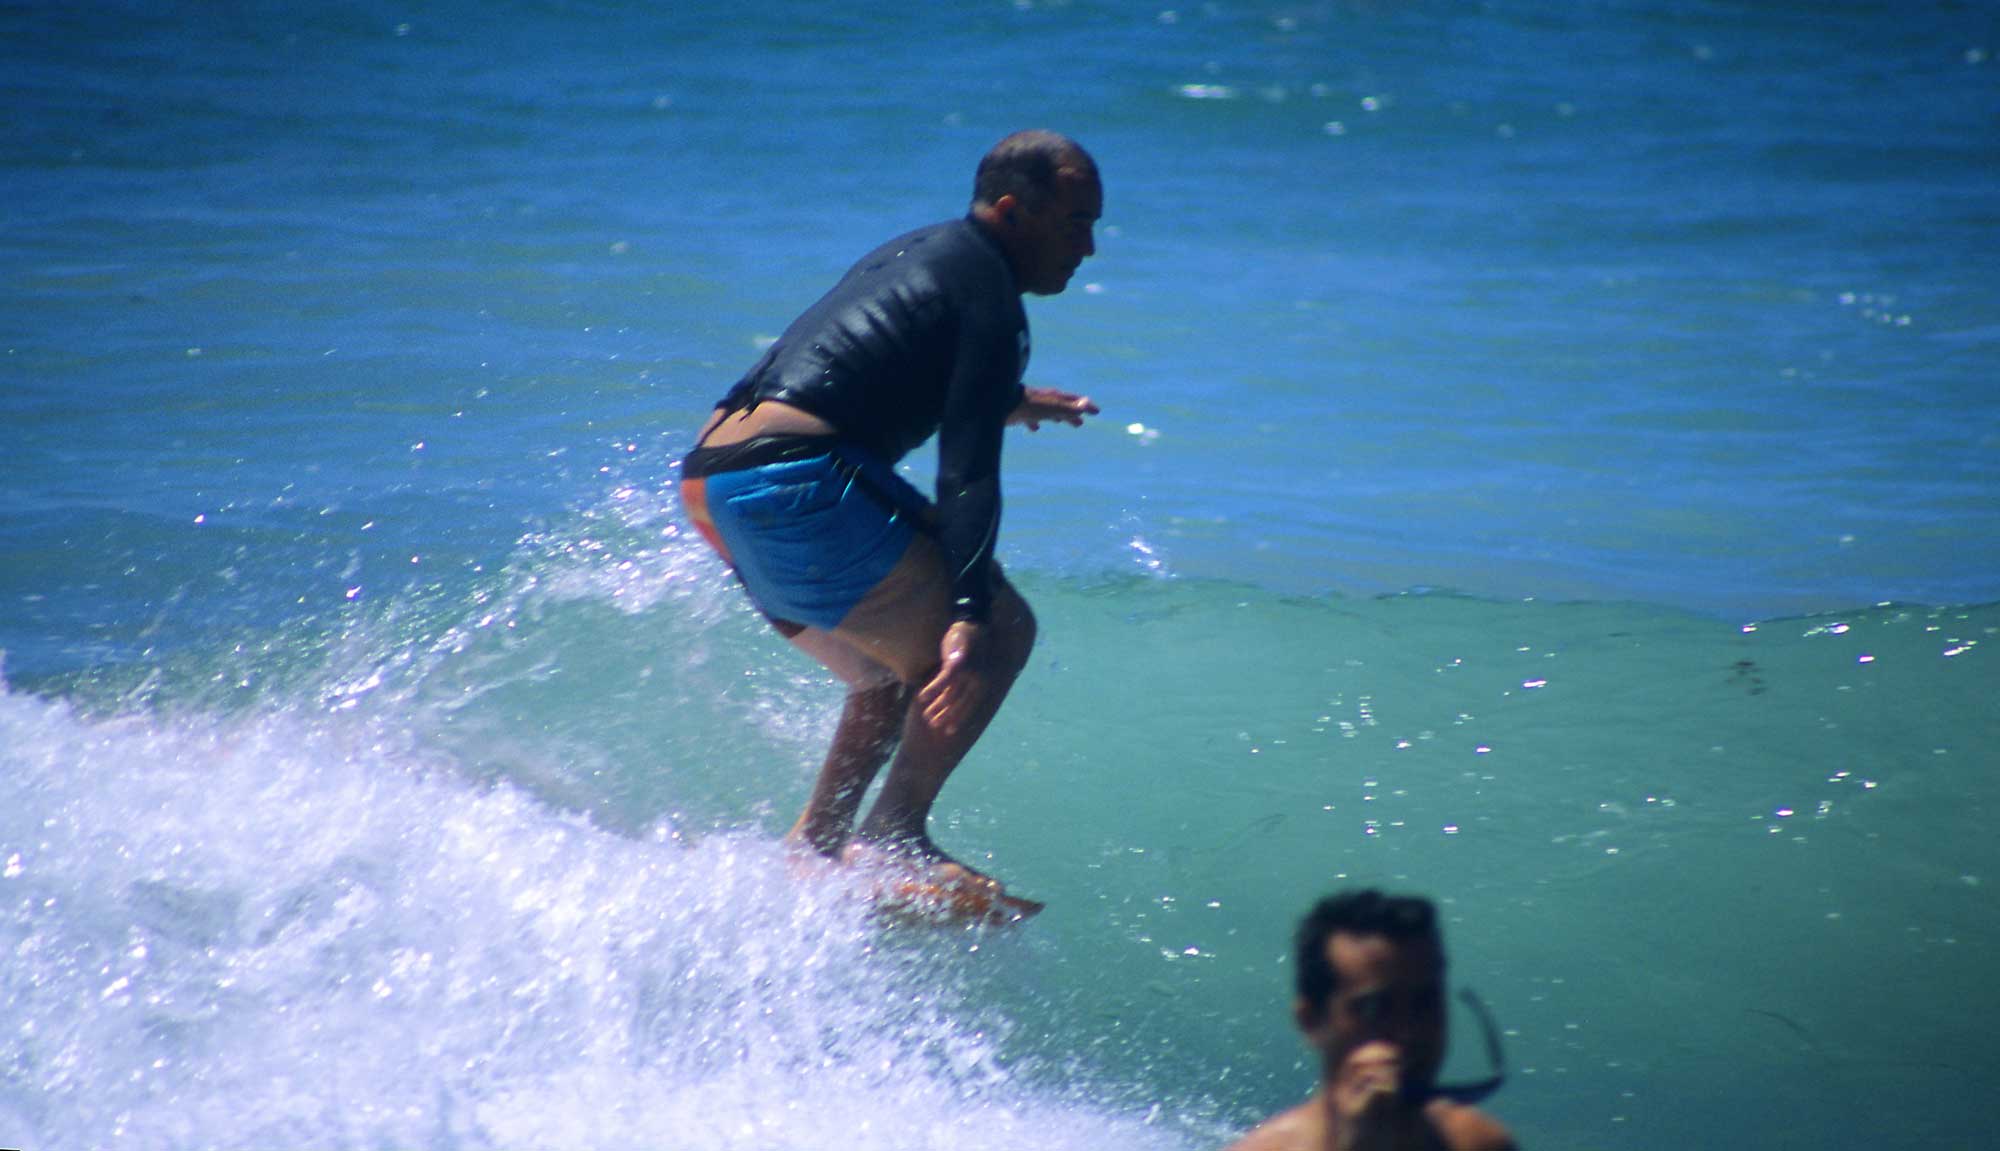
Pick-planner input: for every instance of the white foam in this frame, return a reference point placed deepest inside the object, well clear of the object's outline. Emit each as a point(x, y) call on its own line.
point(286, 930)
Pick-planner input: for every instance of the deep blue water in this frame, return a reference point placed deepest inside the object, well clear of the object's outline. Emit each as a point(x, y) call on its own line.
point(1550, 460)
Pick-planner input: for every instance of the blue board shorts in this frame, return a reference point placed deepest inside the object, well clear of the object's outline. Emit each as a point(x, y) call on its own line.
point(810, 524)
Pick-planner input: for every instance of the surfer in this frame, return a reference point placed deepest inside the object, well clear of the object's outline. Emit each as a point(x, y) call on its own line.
point(1371, 1000)
point(792, 481)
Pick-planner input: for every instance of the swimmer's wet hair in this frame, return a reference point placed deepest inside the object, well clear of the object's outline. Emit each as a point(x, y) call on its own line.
point(1026, 166)
point(1363, 912)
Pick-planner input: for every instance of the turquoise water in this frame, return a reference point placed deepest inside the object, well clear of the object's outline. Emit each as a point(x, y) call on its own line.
point(1548, 462)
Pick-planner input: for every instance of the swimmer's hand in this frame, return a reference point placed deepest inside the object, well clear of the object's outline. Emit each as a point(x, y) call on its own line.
point(1050, 405)
point(1367, 1098)
point(954, 693)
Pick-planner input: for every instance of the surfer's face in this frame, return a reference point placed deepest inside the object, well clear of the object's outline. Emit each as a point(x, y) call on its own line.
point(1052, 242)
point(1389, 991)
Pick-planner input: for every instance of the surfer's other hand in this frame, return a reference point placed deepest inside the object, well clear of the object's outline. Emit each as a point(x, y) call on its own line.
point(960, 683)
point(1051, 405)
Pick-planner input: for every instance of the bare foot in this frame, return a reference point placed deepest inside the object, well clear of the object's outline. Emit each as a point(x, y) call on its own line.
point(805, 859)
point(921, 856)
point(805, 839)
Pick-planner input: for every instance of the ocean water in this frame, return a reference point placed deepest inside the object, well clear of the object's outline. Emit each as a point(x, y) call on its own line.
point(1550, 461)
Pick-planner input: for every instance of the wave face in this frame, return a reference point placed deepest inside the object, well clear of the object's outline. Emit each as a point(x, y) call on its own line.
point(500, 870)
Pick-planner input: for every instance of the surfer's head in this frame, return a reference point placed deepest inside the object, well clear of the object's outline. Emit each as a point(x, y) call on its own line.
point(1039, 194)
point(1371, 969)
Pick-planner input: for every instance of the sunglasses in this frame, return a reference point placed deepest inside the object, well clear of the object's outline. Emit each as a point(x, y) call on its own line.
point(1479, 1089)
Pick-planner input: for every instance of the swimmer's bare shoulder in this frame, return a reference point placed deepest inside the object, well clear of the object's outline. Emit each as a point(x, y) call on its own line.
point(1463, 1128)
point(1303, 1128)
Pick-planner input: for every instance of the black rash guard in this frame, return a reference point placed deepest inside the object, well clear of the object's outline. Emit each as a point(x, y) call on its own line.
point(924, 335)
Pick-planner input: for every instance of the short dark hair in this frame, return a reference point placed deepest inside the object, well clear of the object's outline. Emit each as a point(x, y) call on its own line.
point(1365, 912)
point(1026, 166)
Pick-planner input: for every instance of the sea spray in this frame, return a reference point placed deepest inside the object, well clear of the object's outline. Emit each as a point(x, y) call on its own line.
point(254, 930)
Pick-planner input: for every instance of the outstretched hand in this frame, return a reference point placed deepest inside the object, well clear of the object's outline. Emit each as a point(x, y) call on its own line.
point(1051, 405)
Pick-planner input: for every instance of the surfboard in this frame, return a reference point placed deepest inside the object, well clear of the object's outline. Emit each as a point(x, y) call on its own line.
point(899, 896)
point(918, 902)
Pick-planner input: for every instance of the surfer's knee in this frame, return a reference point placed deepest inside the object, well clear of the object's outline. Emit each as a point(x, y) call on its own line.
point(1029, 630)
point(1017, 631)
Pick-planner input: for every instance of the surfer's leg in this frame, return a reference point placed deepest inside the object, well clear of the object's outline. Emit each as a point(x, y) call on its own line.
point(927, 756)
point(900, 624)
point(870, 722)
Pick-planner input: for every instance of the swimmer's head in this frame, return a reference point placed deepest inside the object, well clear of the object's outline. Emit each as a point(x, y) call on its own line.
point(1371, 968)
point(1040, 195)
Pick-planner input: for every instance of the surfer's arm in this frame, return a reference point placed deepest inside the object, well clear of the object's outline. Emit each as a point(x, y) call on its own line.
point(984, 387)
point(1051, 405)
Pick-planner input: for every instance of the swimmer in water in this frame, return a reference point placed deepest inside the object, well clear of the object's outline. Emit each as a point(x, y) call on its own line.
point(792, 481)
point(1371, 1000)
